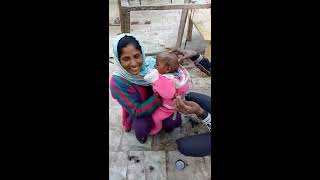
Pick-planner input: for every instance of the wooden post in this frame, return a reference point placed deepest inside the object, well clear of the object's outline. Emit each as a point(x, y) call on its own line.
point(125, 22)
point(207, 51)
point(182, 25)
point(190, 26)
point(124, 17)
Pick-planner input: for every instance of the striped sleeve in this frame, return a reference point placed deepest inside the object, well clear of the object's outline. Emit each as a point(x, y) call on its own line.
point(124, 94)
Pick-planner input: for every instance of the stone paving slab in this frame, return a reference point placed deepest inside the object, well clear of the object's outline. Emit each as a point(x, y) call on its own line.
point(148, 165)
point(118, 165)
point(129, 142)
point(114, 139)
point(196, 169)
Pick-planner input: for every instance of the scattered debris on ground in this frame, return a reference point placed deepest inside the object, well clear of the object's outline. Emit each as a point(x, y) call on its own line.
point(193, 122)
point(151, 168)
point(135, 158)
point(134, 22)
point(147, 22)
point(116, 20)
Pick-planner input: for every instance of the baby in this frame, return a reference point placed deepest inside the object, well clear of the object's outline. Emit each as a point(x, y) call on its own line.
point(168, 79)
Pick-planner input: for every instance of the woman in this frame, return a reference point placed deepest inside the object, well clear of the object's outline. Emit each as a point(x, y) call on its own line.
point(132, 92)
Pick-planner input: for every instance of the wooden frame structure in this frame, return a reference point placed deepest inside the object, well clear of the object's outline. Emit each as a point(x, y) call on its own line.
point(125, 8)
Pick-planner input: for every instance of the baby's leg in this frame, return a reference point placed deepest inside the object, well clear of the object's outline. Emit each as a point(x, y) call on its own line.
point(157, 119)
point(158, 116)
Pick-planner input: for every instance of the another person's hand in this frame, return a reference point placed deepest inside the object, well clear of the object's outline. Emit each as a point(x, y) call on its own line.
point(187, 107)
point(186, 54)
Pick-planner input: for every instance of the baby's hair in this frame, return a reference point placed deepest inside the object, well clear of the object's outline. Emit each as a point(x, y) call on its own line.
point(171, 60)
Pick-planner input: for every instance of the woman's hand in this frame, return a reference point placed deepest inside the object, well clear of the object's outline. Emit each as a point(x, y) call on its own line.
point(188, 107)
point(186, 54)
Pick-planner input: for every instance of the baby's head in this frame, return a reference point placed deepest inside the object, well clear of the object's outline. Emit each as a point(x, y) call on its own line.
point(167, 62)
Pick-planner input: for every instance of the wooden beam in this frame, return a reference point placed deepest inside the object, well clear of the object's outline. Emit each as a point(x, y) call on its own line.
point(125, 22)
point(124, 17)
point(166, 7)
point(182, 25)
point(124, 2)
point(190, 26)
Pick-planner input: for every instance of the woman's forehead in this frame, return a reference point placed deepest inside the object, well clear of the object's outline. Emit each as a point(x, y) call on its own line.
point(130, 49)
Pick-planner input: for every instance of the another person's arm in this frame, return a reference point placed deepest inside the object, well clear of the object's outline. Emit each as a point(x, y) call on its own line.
point(200, 61)
point(189, 107)
point(124, 94)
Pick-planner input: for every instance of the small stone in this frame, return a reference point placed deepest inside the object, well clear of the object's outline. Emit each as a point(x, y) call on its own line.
point(134, 22)
point(147, 22)
point(116, 20)
point(151, 168)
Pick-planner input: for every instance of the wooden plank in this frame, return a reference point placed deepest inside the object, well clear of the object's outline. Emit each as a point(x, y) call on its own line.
point(207, 52)
point(190, 26)
point(124, 2)
point(166, 7)
point(202, 21)
point(182, 25)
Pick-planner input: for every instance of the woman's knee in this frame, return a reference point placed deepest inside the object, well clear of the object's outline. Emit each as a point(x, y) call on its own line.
point(142, 126)
point(171, 123)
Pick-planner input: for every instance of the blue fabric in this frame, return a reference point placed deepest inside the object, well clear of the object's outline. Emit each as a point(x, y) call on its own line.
point(148, 63)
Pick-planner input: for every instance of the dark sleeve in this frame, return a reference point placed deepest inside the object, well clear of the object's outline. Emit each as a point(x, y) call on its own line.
point(202, 63)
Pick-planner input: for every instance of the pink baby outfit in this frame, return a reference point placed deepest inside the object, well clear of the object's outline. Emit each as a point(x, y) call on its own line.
point(167, 85)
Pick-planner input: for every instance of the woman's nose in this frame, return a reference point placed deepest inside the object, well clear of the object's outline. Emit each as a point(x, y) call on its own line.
point(133, 63)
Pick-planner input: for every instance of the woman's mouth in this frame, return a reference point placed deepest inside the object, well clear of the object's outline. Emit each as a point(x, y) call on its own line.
point(134, 70)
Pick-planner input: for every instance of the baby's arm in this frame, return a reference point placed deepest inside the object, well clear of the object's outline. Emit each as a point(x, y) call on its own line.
point(161, 84)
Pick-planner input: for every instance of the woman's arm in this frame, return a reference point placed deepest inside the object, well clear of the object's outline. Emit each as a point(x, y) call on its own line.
point(124, 94)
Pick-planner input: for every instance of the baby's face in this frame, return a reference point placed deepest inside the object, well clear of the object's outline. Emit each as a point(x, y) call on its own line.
point(162, 66)
point(166, 63)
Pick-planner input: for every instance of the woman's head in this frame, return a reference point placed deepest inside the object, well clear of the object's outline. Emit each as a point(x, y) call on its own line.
point(130, 54)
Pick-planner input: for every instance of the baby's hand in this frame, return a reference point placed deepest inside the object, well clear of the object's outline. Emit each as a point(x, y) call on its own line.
point(152, 76)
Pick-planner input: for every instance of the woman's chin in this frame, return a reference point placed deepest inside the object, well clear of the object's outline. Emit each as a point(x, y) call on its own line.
point(134, 72)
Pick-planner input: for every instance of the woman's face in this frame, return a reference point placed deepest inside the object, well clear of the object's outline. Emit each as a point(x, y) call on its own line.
point(131, 59)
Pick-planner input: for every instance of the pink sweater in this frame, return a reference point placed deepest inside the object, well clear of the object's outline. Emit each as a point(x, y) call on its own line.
point(167, 86)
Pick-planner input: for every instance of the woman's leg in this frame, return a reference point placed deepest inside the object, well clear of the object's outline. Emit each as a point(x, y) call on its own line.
point(169, 124)
point(203, 100)
point(142, 128)
point(126, 121)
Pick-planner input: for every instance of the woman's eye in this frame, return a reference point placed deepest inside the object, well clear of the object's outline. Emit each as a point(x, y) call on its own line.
point(125, 59)
point(137, 56)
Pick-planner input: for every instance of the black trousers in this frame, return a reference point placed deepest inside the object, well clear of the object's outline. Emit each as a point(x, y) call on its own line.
point(197, 145)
